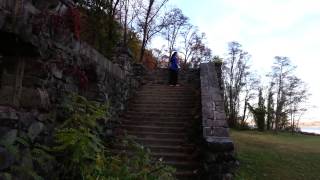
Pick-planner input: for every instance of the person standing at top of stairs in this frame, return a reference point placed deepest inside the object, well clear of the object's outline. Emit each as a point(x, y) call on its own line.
point(173, 69)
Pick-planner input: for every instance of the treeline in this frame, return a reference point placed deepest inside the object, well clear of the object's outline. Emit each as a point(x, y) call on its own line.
point(277, 105)
point(133, 24)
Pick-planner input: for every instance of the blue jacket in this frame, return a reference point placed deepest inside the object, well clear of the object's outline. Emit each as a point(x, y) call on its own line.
point(174, 63)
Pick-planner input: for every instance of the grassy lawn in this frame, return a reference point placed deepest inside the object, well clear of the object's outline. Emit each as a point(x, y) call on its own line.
point(282, 156)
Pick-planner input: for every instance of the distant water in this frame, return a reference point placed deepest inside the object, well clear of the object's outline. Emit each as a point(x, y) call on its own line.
point(311, 129)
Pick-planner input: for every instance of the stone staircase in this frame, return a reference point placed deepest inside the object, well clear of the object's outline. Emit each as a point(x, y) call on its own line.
point(159, 117)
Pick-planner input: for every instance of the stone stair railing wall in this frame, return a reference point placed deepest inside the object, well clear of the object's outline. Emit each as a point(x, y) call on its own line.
point(219, 159)
point(40, 67)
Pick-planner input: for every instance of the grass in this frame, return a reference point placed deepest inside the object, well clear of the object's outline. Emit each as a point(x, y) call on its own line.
point(282, 156)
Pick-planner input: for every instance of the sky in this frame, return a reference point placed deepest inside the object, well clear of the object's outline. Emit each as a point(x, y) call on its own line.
point(265, 28)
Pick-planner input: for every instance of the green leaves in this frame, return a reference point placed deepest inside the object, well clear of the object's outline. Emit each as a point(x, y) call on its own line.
point(136, 164)
point(77, 140)
point(80, 149)
point(27, 155)
point(83, 113)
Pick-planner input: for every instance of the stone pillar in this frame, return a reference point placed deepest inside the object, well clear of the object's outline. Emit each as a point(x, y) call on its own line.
point(219, 161)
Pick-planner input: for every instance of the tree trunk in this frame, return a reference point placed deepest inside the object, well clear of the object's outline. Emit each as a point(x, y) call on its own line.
point(145, 31)
point(244, 112)
point(125, 32)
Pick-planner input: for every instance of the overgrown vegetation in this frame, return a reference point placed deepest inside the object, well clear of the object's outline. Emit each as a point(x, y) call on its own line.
point(79, 150)
point(265, 156)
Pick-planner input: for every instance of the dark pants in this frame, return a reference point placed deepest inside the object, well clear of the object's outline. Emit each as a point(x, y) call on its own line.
point(173, 77)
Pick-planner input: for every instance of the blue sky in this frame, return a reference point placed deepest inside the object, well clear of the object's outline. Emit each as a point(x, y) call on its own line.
point(265, 28)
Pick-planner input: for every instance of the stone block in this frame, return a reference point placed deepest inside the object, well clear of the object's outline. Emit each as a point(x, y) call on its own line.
point(26, 119)
point(219, 144)
point(216, 123)
point(35, 129)
point(220, 115)
point(56, 72)
point(6, 95)
point(10, 137)
point(8, 113)
point(219, 108)
point(30, 98)
point(217, 96)
point(35, 98)
point(216, 131)
point(7, 159)
point(28, 81)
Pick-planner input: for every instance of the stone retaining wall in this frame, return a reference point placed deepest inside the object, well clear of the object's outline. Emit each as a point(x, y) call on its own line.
point(38, 70)
point(219, 161)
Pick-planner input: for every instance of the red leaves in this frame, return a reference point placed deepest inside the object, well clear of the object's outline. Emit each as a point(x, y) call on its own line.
point(58, 23)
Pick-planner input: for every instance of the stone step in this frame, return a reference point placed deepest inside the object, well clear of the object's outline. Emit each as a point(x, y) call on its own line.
point(142, 117)
point(169, 91)
point(156, 129)
point(160, 141)
point(153, 123)
point(188, 149)
point(159, 110)
point(166, 89)
point(161, 105)
point(182, 87)
point(172, 148)
point(170, 156)
point(167, 96)
point(178, 114)
point(163, 102)
point(162, 86)
point(157, 119)
point(152, 134)
point(164, 99)
point(186, 92)
point(166, 92)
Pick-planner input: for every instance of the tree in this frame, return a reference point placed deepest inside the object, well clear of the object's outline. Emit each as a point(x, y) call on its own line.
point(259, 113)
point(252, 84)
point(101, 29)
point(125, 23)
point(297, 95)
point(176, 20)
point(159, 55)
point(148, 23)
point(289, 94)
point(235, 69)
point(127, 15)
point(270, 107)
point(200, 51)
point(281, 70)
point(189, 35)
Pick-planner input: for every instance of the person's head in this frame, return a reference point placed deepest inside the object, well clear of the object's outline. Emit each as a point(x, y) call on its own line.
point(174, 54)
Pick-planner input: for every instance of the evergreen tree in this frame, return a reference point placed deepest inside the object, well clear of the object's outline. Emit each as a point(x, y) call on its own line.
point(259, 113)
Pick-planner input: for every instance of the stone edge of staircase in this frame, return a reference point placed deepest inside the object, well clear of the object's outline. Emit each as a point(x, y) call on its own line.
point(218, 148)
